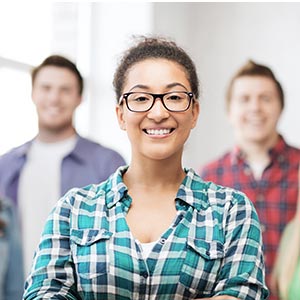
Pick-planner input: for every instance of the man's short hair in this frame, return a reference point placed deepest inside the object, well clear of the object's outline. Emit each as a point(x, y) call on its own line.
point(251, 68)
point(60, 62)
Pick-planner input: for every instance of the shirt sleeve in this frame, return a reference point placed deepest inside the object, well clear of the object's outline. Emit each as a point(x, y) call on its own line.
point(52, 273)
point(14, 277)
point(242, 272)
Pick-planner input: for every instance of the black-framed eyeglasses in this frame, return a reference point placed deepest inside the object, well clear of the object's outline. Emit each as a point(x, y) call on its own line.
point(143, 101)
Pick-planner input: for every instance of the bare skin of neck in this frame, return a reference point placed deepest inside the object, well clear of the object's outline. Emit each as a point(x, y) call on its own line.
point(153, 187)
point(258, 153)
point(51, 136)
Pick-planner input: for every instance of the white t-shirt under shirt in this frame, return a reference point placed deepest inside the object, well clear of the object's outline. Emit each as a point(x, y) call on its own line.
point(257, 170)
point(147, 248)
point(39, 189)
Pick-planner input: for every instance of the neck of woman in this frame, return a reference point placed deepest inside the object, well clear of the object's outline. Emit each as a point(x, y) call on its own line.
point(154, 174)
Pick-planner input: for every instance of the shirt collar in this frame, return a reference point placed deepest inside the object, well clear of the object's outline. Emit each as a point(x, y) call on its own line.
point(192, 191)
point(116, 188)
point(22, 150)
point(237, 154)
point(79, 150)
point(278, 151)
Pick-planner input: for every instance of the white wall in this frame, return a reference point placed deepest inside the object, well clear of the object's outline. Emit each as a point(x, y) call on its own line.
point(221, 37)
point(112, 27)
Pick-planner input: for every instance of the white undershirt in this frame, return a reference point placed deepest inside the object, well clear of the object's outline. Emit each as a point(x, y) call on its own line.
point(257, 170)
point(147, 248)
point(39, 189)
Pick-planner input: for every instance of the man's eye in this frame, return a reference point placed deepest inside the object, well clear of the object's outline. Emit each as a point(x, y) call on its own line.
point(65, 90)
point(244, 99)
point(45, 88)
point(265, 98)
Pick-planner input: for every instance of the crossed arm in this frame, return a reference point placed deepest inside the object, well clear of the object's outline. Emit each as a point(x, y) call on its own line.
point(223, 297)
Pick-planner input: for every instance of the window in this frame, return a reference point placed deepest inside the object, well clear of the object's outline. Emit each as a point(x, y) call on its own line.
point(17, 114)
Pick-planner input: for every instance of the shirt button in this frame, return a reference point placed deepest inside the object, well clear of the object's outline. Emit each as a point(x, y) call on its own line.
point(247, 171)
point(263, 227)
point(162, 240)
point(145, 274)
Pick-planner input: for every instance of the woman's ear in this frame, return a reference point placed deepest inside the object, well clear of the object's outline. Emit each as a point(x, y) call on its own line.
point(195, 111)
point(120, 116)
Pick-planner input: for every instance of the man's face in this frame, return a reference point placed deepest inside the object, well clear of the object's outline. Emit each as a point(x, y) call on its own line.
point(254, 109)
point(55, 93)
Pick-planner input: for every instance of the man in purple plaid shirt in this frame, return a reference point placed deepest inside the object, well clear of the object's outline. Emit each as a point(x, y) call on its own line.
point(262, 164)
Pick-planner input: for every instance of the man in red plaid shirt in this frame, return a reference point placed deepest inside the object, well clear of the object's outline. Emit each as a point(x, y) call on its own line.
point(262, 164)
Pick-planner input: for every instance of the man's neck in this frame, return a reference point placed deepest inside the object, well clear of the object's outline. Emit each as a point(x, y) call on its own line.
point(50, 136)
point(258, 153)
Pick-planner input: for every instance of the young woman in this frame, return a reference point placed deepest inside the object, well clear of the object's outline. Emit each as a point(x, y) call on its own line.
point(286, 274)
point(11, 264)
point(153, 230)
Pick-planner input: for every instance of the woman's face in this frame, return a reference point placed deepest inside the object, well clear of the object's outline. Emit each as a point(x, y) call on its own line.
point(158, 133)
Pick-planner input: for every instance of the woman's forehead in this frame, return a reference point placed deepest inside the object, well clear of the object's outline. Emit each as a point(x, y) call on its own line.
point(156, 72)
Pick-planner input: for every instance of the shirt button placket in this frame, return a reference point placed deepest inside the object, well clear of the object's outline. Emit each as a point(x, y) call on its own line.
point(144, 274)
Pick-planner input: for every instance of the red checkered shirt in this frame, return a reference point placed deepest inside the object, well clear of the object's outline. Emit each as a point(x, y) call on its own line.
point(274, 195)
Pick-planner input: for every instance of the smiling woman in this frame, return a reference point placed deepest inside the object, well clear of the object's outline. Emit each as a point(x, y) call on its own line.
point(153, 229)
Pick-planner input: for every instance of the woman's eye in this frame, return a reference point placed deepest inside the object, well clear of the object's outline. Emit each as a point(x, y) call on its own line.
point(175, 97)
point(141, 99)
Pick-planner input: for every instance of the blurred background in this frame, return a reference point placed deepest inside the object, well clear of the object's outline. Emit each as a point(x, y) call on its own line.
point(220, 37)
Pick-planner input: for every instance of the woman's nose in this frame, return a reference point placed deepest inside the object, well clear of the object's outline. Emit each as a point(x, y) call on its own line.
point(158, 110)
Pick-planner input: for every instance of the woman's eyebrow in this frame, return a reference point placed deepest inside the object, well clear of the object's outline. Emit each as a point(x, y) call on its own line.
point(140, 86)
point(171, 85)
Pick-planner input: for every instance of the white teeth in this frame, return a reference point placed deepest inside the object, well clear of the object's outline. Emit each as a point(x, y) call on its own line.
point(158, 131)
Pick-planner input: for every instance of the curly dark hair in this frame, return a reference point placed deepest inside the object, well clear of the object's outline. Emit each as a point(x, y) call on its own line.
point(154, 47)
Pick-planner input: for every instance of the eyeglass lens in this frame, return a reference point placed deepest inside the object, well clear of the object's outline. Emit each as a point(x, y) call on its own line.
point(174, 101)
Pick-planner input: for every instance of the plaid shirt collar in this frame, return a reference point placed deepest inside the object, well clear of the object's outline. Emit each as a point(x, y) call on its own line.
point(276, 153)
point(191, 191)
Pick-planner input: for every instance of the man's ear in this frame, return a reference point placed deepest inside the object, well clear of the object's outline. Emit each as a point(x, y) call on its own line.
point(120, 117)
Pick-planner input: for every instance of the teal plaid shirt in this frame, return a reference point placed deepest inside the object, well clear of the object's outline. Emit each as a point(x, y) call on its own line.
point(213, 247)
